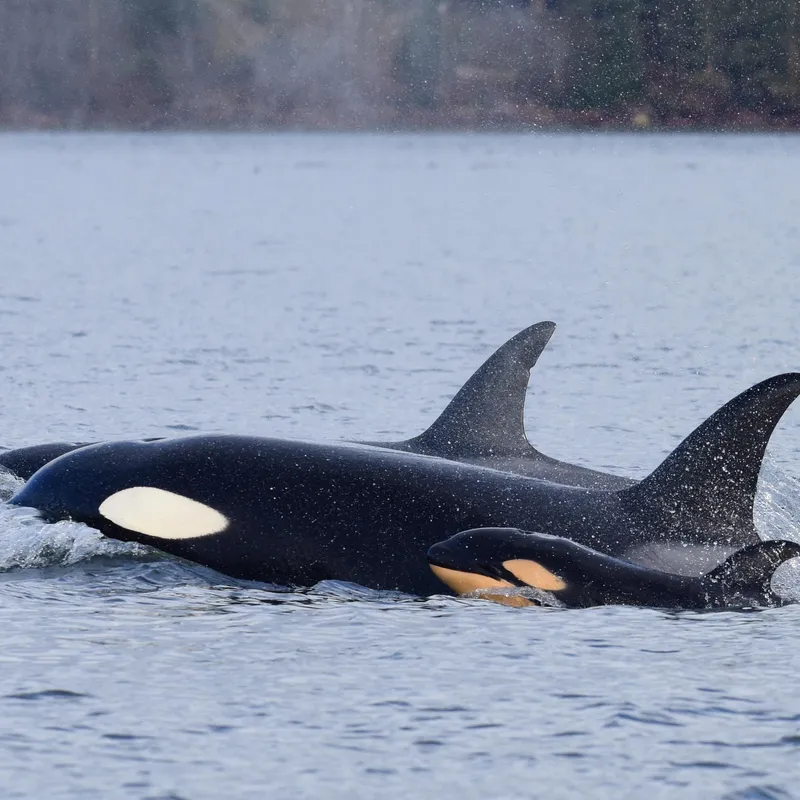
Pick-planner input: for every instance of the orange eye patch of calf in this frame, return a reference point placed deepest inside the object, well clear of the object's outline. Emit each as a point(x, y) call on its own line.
point(534, 574)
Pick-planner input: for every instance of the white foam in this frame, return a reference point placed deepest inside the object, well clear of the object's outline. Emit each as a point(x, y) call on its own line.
point(28, 542)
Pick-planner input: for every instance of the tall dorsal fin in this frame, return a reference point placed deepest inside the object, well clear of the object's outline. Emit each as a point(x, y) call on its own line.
point(708, 483)
point(486, 417)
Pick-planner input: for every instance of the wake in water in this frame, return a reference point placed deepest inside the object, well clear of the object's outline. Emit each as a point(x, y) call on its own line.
point(26, 542)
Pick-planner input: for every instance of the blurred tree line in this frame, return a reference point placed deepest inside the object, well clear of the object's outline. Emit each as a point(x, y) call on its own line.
point(367, 63)
point(690, 59)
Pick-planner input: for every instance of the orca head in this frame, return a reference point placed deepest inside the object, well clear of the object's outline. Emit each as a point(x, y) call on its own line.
point(101, 486)
point(486, 559)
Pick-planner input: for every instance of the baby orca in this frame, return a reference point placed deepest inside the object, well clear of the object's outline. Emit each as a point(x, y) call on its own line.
point(578, 577)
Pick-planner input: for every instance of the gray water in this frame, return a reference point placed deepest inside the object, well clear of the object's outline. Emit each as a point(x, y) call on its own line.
point(335, 287)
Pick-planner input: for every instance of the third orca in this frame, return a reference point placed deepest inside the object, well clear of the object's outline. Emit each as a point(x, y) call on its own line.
point(482, 425)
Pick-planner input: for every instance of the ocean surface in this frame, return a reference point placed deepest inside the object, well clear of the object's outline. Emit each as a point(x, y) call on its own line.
point(344, 287)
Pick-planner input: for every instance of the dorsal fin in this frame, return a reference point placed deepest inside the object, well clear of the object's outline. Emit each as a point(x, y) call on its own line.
point(708, 483)
point(486, 417)
point(748, 572)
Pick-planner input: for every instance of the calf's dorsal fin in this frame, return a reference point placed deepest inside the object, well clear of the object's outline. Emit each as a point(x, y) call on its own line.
point(748, 572)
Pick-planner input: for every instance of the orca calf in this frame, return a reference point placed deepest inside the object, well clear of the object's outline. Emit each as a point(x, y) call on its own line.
point(482, 425)
point(579, 577)
point(297, 513)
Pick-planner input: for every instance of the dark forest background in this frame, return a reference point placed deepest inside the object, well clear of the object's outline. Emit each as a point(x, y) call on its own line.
point(366, 64)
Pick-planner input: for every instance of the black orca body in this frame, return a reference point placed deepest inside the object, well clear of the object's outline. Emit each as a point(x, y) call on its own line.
point(24, 461)
point(579, 577)
point(297, 513)
point(483, 425)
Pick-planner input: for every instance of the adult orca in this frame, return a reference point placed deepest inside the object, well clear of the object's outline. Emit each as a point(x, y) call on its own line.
point(297, 513)
point(482, 425)
point(579, 577)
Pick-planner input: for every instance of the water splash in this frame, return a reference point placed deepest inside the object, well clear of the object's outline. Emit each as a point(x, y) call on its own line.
point(518, 596)
point(9, 484)
point(777, 507)
point(27, 542)
point(777, 516)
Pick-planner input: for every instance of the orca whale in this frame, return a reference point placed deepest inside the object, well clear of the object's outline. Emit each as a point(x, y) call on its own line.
point(296, 513)
point(578, 577)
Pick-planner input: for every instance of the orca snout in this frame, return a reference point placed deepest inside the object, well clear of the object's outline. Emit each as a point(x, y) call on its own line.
point(49, 503)
point(443, 554)
point(478, 550)
point(71, 486)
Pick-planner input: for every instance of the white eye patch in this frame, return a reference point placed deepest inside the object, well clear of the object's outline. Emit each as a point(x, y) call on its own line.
point(163, 514)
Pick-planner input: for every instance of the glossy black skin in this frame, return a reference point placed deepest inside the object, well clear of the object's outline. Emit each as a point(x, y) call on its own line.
point(593, 578)
point(300, 512)
point(24, 461)
point(532, 464)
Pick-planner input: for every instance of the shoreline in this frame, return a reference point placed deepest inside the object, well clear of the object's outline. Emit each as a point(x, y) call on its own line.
point(464, 119)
